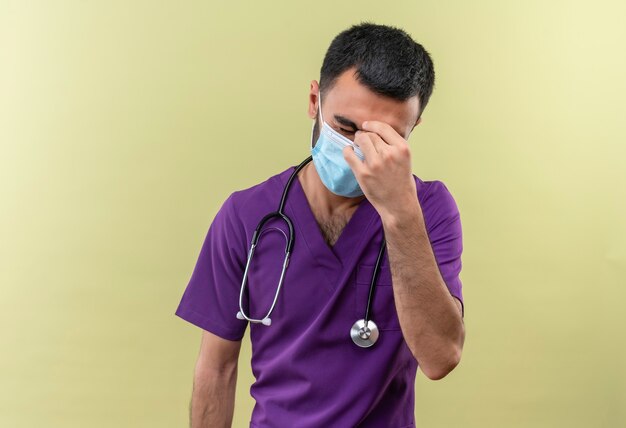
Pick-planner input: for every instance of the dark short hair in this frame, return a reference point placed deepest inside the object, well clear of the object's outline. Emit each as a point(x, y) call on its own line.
point(387, 60)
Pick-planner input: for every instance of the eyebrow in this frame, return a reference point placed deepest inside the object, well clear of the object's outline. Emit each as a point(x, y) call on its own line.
point(347, 122)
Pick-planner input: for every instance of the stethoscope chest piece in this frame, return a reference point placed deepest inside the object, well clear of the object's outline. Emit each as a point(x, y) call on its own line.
point(364, 335)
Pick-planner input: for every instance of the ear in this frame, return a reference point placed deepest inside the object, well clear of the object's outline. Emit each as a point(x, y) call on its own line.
point(419, 120)
point(313, 99)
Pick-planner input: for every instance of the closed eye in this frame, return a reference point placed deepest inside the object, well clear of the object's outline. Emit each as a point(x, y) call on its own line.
point(347, 131)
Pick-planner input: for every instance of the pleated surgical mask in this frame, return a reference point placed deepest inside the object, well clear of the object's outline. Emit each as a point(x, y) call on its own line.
point(331, 167)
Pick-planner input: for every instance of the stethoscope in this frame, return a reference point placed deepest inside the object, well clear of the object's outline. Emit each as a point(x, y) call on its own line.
point(363, 332)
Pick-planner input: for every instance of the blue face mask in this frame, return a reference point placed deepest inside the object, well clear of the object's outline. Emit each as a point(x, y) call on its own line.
point(332, 168)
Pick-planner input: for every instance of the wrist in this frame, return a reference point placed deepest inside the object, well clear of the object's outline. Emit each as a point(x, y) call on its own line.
point(403, 215)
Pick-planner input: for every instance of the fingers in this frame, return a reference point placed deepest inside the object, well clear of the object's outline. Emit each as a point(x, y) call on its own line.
point(386, 131)
point(370, 144)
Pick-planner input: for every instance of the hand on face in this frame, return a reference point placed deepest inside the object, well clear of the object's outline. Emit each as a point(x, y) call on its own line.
point(385, 175)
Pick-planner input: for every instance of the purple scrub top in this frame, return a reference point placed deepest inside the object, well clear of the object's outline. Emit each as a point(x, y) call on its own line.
point(309, 372)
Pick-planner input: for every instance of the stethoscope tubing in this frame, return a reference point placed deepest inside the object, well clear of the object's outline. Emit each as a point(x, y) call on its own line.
point(360, 326)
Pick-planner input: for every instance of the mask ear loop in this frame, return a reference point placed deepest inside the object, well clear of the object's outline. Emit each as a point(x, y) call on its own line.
point(313, 126)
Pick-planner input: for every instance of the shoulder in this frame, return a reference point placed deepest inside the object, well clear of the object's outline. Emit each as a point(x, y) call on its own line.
point(436, 201)
point(263, 196)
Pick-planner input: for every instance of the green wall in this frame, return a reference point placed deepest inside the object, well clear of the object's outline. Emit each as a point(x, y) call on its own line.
point(125, 124)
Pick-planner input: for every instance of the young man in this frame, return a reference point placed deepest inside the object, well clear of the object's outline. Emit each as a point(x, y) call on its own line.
point(314, 366)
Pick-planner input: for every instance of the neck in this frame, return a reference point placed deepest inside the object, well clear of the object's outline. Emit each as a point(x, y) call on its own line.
point(320, 197)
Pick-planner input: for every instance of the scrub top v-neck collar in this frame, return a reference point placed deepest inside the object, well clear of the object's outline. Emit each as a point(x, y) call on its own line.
point(332, 260)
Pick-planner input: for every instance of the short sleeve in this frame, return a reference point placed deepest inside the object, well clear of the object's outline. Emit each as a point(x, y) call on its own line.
point(211, 299)
point(446, 237)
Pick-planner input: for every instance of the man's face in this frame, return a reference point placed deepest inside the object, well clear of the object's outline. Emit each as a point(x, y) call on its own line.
point(349, 103)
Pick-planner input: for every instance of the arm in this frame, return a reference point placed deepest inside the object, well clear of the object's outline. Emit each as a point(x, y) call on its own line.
point(430, 317)
point(215, 380)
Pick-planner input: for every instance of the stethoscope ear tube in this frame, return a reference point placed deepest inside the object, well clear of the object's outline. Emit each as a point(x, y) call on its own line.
point(266, 320)
point(289, 243)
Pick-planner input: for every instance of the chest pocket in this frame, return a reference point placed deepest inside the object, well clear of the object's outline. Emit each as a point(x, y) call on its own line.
point(383, 311)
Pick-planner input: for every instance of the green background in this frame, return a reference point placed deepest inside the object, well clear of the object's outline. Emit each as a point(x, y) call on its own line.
point(125, 124)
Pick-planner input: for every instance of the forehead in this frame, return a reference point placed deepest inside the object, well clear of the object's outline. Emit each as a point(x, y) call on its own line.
point(356, 102)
